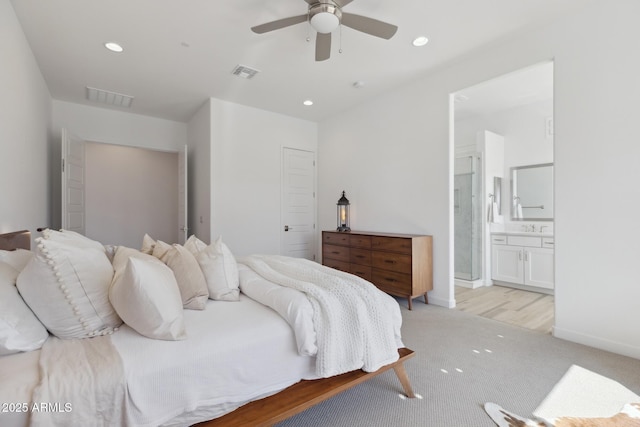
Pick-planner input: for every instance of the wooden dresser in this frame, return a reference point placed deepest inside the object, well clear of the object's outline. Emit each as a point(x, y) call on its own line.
point(399, 264)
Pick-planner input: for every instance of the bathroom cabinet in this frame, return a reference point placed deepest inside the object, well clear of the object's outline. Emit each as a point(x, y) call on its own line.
point(523, 260)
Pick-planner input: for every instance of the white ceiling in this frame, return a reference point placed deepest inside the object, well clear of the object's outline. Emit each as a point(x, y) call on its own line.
point(178, 53)
point(531, 85)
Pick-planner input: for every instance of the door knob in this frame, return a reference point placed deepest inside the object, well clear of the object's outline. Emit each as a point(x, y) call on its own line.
point(286, 228)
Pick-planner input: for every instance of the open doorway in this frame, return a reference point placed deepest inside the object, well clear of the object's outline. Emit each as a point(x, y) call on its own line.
point(504, 246)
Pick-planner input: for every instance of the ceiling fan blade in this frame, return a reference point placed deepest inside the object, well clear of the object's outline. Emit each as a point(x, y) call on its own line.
point(342, 3)
point(280, 23)
point(323, 46)
point(369, 25)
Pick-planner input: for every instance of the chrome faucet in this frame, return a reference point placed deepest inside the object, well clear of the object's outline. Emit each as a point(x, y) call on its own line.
point(533, 228)
point(542, 227)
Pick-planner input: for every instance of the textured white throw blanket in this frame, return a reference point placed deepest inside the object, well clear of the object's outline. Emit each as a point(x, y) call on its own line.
point(357, 325)
point(81, 384)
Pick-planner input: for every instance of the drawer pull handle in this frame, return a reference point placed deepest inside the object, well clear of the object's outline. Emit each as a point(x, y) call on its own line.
point(335, 253)
point(389, 261)
point(548, 243)
point(388, 279)
point(499, 240)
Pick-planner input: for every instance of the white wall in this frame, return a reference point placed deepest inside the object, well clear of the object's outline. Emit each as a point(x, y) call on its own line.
point(199, 173)
point(25, 123)
point(246, 168)
point(393, 158)
point(119, 127)
point(129, 192)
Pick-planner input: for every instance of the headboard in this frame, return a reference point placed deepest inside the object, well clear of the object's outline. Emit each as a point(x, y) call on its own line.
point(15, 240)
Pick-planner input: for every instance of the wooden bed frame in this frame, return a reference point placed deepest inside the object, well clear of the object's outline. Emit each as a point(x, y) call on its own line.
point(286, 403)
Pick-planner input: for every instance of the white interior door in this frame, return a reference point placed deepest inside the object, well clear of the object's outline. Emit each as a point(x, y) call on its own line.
point(298, 204)
point(182, 196)
point(73, 183)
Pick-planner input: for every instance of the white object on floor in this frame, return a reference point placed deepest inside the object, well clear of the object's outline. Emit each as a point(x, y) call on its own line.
point(582, 393)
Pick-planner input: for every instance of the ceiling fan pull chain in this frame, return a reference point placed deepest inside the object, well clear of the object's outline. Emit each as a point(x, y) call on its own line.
point(340, 49)
point(308, 27)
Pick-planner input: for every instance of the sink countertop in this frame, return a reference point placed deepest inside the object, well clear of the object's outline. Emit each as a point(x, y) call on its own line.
point(524, 233)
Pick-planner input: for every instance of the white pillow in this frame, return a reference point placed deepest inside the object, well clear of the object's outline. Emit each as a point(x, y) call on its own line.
point(20, 329)
point(147, 244)
point(67, 286)
point(160, 249)
point(145, 294)
point(194, 245)
point(191, 281)
point(220, 270)
point(17, 258)
point(72, 238)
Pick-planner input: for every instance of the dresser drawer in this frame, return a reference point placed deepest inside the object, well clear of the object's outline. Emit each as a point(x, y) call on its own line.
point(394, 244)
point(357, 241)
point(338, 265)
point(392, 261)
point(547, 242)
point(360, 256)
point(530, 241)
point(340, 253)
point(392, 282)
point(499, 239)
point(361, 270)
point(336, 238)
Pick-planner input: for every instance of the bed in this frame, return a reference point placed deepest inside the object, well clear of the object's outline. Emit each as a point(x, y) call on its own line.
point(242, 363)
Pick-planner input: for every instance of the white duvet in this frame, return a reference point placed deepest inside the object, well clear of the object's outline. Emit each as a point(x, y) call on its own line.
point(356, 325)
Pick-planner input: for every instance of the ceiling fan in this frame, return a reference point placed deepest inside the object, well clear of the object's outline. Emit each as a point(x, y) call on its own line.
point(325, 16)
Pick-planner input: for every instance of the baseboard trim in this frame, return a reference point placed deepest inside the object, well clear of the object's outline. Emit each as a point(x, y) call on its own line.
point(469, 284)
point(442, 302)
point(597, 342)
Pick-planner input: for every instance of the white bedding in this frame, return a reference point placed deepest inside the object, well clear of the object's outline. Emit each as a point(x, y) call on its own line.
point(254, 344)
point(235, 352)
point(357, 326)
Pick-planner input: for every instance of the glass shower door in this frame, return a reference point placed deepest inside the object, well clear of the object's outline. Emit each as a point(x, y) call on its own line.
point(467, 208)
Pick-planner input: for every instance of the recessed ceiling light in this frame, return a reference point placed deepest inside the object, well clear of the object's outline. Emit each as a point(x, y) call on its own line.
point(308, 102)
point(420, 41)
point(113, 47)
point(358, 84)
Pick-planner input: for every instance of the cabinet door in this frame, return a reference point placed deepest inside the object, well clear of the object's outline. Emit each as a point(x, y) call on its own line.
point(539, 268)
point(507, 264)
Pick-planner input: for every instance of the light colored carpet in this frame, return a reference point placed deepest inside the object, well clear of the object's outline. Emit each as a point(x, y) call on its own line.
point(461, 362)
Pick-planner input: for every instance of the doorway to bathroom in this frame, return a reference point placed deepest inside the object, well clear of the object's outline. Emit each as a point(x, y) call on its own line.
point(499, 129)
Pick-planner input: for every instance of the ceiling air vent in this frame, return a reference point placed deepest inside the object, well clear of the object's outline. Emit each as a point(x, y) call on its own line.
point(109, 98)
point(244, 71)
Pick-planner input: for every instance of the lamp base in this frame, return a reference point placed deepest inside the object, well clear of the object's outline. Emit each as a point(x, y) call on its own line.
point(343, 228)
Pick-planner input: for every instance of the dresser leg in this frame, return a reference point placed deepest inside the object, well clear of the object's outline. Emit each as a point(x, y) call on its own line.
point(426, 298)
point(409, 301)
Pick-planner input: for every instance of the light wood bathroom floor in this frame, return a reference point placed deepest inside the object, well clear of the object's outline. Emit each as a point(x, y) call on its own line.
point(526, 309)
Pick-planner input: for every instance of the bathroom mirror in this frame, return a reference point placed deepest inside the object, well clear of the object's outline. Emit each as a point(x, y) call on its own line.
point(532, 192)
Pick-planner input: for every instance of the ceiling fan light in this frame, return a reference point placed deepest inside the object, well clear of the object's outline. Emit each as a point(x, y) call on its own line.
point(324, 22)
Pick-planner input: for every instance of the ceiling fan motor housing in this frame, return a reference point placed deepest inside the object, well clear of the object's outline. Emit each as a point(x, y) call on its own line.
point(324, 17)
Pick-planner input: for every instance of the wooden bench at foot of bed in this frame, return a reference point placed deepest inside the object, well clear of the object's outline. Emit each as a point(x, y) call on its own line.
point(305, 394)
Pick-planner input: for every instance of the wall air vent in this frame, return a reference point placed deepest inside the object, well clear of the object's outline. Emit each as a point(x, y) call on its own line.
point(244, 71)
point(109, 98)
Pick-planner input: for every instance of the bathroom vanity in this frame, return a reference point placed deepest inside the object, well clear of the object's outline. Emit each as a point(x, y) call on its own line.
point(524, 260)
